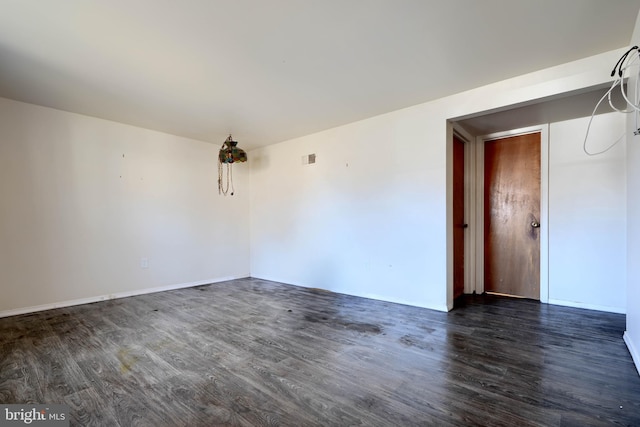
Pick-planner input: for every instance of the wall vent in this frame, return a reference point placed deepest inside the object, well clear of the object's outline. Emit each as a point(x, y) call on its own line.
point(309, 159)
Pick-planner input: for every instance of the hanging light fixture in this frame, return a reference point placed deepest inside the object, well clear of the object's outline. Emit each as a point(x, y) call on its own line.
point(228, 155)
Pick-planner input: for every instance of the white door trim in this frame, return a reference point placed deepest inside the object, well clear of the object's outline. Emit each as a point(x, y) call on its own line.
point(469, 206)
point(477, 217)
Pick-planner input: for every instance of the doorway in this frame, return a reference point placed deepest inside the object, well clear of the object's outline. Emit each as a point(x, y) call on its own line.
point(473, 258)
point(459, 225)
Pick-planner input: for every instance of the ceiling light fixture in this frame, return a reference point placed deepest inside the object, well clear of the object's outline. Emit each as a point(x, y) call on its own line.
point(229, 154)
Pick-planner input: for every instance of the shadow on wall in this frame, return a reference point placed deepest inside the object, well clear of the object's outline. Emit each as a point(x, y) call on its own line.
point(258, 161)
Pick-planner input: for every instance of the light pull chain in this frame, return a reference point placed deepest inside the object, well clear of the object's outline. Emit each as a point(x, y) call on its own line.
point(223, 188)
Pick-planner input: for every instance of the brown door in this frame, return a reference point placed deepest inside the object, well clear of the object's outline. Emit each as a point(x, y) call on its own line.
point(458, 217)
point(511, 216)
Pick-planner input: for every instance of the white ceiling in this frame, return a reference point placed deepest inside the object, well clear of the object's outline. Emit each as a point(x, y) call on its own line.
point(268, 71)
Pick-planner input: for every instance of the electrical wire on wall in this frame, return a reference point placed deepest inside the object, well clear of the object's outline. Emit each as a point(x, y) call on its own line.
point(621, 72)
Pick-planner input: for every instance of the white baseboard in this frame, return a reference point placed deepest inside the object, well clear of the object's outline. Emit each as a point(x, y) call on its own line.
point(117, 295)
point(633, 350)
point(360, 295)
point(588, 306)
point(376, 297)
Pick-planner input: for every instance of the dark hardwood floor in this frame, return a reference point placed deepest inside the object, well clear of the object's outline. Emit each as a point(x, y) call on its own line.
point(252, 352)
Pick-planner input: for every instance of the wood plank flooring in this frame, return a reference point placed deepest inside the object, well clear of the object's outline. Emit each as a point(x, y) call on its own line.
point(256, 353)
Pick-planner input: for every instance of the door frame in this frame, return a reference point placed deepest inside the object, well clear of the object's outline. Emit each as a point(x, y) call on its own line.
point(476, 208)
point(469, 209)
point(469, 168)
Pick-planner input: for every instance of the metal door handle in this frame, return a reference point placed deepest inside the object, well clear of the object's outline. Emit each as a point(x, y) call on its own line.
point(535, 224)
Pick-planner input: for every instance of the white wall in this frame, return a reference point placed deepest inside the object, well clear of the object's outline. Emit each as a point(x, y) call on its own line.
point(380, 226)
point(587, 214)
point(357, 220)
point(83, 200)
point(632, 334)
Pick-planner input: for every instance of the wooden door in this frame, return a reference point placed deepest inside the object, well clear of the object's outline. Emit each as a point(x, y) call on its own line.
point(458, 217)
point(511, 216)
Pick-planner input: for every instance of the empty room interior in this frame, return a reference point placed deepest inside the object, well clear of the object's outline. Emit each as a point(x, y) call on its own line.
point(320, 213)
